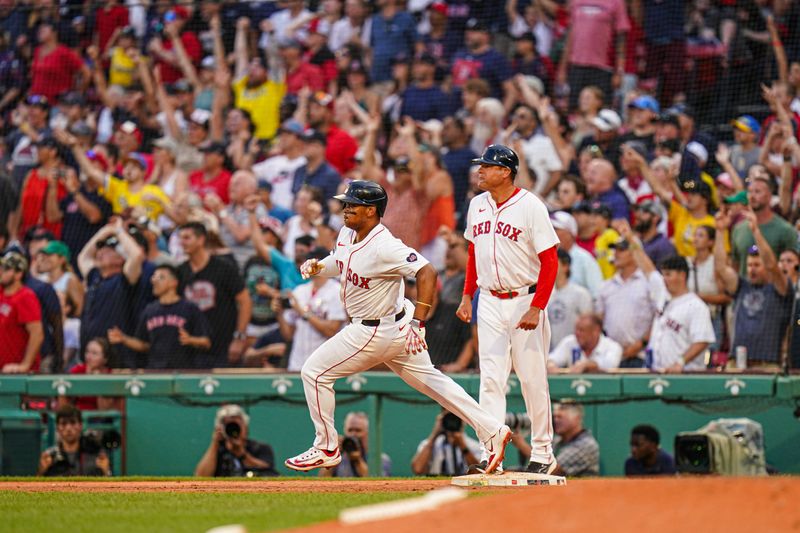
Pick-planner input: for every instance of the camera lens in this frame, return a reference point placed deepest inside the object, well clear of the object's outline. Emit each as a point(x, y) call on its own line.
point(451, 423)
point(233, 430)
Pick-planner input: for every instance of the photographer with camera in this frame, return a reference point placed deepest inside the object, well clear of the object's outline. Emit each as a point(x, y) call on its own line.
point(231, 453)
point(447, 451)
point(75, 454)
point(354, 445)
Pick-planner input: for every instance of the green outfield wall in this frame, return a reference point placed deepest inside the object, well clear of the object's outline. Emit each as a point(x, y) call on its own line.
point(167, 420)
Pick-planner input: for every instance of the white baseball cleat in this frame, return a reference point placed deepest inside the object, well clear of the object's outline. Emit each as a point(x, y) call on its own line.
point(314, 458)
point(496, 448)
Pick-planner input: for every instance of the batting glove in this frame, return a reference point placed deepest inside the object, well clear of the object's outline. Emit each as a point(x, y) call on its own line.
point(311, 267)
point(415, 337)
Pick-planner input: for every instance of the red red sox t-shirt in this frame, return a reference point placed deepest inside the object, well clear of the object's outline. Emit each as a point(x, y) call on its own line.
point(16, 310)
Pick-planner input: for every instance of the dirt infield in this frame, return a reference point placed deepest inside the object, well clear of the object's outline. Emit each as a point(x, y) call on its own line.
point(707, 504)
point(613, 505)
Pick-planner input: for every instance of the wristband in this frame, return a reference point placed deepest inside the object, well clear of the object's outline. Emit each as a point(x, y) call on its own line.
point(239, 336)
point(423, 303)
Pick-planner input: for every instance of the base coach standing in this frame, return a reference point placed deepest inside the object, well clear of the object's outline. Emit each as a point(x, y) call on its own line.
point(513, 259)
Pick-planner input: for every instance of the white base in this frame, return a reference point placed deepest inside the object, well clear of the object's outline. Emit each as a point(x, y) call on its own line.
point(507, 479)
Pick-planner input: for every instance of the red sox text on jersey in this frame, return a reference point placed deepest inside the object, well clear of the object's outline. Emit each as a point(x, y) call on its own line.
point(506, 230)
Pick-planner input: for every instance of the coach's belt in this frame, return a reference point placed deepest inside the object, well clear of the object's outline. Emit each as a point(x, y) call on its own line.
point(507, 295)
point(375, 322)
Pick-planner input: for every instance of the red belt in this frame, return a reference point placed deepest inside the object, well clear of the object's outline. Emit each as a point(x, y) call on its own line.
point(507, 295)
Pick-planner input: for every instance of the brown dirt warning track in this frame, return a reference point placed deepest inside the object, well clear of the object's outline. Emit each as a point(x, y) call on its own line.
point(701, 504)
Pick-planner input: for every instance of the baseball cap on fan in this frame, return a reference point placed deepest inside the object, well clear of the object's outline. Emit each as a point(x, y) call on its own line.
point(565, 221)
point(607, 120)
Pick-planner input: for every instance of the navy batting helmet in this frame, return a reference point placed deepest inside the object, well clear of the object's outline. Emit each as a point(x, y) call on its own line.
point(499, 156)
point(363, 192)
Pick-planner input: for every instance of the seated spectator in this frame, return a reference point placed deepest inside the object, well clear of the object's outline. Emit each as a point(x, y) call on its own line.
point(355, 446)
point(762, 299)
point(21, 330)
point(112, 279)
point(568, 301)
point(587, 350)
point(216, 287)
point(172, 332)
point(647, 458)
point(577, 452)
point(231, 453)
point(315, 314)
point(70, 457)
point(96, 356)
point(447, 451)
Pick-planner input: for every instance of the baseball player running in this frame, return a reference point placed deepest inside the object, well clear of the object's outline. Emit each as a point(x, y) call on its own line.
point(513, 259)
point(384, 328)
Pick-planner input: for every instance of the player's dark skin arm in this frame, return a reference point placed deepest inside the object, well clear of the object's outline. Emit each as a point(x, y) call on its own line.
point(426, 287)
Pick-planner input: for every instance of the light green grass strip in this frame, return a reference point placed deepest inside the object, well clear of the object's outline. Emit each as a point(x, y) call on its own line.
point(154, 512)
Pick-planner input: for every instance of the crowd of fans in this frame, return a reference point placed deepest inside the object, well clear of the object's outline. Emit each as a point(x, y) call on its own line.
point(166, 166)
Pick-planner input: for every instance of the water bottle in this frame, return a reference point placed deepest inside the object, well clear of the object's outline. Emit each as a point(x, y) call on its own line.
point(648, 358)
point(741, 357)
point(576, 355)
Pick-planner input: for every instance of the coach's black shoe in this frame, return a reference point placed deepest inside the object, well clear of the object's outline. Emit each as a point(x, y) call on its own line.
point(541, 468)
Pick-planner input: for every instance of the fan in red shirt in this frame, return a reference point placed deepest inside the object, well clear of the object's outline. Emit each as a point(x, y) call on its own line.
point(96, 357)
point(21, 332)
point(54, 65)
point(109, 18)
point(341, 147)
point(299, 73)
point(213, 178)
point(43, 189)
point(163, 48)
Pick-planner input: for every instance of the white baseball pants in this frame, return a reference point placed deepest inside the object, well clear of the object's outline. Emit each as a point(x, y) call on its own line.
point(357, 348)
point(500, 345)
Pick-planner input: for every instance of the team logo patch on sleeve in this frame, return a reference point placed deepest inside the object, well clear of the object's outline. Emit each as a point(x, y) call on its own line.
point(411, 258)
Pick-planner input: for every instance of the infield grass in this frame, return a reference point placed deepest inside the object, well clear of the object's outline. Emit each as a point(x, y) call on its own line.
point(113, 512)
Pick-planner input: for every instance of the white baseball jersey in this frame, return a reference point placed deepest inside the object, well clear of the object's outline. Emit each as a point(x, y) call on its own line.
point(279, 172)
point(607, 354)
point(681, 322)
point(371, 272)
point(508, 239)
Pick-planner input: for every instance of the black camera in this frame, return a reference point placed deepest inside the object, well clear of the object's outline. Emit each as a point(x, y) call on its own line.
point(451, 423)
point(94, 441)
point(350, 445)
point(233, 430)
point(518, 421)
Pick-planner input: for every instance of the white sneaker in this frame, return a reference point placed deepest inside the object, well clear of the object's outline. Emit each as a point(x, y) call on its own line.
point(496, 448)
point(314, 458)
